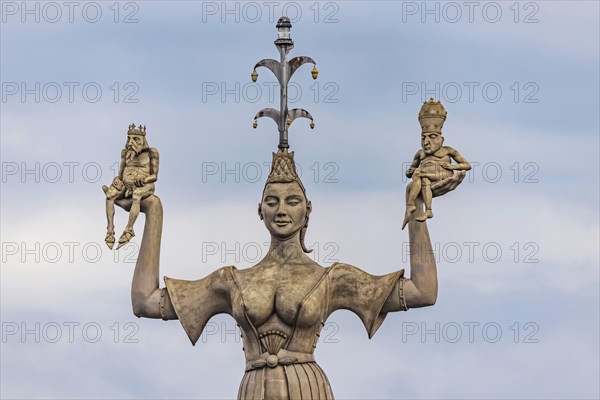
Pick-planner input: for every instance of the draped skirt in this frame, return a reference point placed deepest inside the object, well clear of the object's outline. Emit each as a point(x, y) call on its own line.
point(305, 381)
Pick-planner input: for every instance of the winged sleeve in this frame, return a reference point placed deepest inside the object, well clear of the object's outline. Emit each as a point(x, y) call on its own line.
point(364, 294)
point(196, 302)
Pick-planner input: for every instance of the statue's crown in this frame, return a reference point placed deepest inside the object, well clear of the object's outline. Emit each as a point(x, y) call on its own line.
point(140, 130)
point(432, 109)
point(432, 116)
point(283, 167)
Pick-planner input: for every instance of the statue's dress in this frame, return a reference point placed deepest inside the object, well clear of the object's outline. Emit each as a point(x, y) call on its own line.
point(280, 335)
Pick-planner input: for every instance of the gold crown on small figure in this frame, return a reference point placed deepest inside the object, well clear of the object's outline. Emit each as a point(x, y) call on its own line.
point(432, 116)
point(140, 130)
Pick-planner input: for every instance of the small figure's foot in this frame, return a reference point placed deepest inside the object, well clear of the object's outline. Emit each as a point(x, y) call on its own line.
point(425, 216)
point(110, 239)
point(105, 189)
point(125, 238)
point(410, 208)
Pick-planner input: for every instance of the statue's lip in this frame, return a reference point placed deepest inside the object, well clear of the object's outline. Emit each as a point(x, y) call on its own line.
point(280, 222)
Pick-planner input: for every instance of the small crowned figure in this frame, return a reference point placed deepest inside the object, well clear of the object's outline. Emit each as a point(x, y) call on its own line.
point(137, 173)
point(432, 165)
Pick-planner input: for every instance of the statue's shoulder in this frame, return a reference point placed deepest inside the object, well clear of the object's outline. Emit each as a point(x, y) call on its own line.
point(243, 274)
point(217, 278)
point(343, 272)
point(447, 150)
point(339, 270)
point(226, 272)
point(153, 152)
point(316, 271)
point(342, 266)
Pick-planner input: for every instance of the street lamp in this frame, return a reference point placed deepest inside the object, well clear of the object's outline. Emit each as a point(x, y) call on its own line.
point(283, 32)
point(284, 70)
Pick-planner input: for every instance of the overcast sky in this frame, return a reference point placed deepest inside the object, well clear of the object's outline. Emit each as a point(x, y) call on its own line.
point(517, 243)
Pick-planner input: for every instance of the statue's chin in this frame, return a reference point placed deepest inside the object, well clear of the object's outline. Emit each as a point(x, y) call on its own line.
point(282, 235)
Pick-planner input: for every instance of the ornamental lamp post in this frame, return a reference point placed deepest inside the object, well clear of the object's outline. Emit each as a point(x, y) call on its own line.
point(284, 70)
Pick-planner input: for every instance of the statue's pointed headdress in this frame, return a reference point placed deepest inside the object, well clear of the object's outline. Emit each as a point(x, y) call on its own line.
point(283, 167)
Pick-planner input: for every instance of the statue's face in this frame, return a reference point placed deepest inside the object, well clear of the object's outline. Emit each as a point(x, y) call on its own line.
point(431, 142)
point(135, 143)
point(284, 209)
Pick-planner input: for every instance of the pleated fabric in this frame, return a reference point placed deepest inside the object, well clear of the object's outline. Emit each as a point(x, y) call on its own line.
point(305, 381)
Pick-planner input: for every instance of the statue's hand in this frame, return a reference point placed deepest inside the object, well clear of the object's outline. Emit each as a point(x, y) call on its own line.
point(139, 182)
point(118, 183)
point(447, 185)
point(410, 172)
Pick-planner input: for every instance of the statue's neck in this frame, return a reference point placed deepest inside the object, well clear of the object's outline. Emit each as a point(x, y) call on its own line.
point(284, 251)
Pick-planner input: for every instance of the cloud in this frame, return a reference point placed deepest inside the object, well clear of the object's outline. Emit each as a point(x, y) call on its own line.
point(516, 248)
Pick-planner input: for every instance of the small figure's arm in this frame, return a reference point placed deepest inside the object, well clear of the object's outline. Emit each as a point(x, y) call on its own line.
point(118, 180)
point(153, 169)
point(122, 164)
point(153, 166)
point(415, 164)
point(461, 163)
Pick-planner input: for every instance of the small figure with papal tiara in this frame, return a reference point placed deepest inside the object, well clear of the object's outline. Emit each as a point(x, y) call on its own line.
point(432, 165)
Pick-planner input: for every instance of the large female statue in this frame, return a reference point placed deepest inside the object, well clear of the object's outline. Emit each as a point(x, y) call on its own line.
point(281, 303)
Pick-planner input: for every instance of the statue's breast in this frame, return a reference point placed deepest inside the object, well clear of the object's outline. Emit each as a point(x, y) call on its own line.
point(298, 300)
point(282, 291)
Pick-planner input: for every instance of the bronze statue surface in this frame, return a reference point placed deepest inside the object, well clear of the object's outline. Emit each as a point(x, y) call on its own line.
point(281, 303)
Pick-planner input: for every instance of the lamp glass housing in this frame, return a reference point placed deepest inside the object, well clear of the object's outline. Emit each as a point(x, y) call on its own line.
point(283, 33)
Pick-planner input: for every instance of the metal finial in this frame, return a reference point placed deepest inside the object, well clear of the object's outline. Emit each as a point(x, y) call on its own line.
point(283, 70)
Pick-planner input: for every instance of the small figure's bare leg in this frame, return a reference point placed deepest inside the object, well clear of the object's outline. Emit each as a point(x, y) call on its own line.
point(111, 195)
point(138, 194)
point(413, 192)
point(134, 212)
point(427, 196)
point(127, 235)
point(110, 238)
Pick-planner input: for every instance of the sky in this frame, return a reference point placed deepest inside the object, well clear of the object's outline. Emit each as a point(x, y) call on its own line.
point(517, 315)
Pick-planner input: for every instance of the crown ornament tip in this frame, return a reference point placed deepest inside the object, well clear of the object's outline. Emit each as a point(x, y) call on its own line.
point(254, 76)
point(314, 72)
point(255, 124)
point(132, 129)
